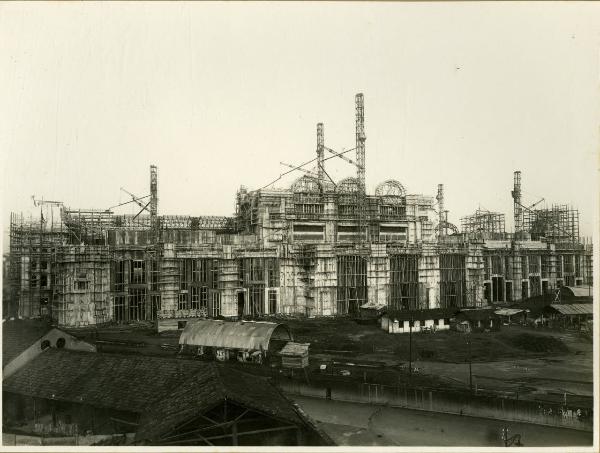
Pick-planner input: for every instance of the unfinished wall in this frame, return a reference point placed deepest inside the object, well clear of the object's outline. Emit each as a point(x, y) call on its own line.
point(82, 286)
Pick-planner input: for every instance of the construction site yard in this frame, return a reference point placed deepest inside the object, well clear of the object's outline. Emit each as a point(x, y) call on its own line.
point(345, 337)
point(538, 364)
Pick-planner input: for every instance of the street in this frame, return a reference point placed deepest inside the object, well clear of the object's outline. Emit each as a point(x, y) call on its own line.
point(371, 425)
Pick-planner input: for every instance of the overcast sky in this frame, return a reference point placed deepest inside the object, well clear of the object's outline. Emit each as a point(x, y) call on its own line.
point(218, 94)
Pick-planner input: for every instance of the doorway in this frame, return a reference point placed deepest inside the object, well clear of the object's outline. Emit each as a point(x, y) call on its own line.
point(241, 304)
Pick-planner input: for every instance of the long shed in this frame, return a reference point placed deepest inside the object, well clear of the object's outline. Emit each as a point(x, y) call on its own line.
point(266, 337)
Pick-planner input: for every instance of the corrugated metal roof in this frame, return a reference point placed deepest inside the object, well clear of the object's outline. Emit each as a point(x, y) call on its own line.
point(574, 309)
point(233, 335)
point(579, 291)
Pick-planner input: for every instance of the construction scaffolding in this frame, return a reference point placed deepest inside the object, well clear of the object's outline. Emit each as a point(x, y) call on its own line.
point(404, 282)
point(82, 286)
point(483, 221)
point(316, 247)
point(352, 283)
point(33, 245)
point(452, 280)
point(558, 224)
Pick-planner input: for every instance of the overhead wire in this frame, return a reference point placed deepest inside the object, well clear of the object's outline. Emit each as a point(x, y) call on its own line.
point(304, 164)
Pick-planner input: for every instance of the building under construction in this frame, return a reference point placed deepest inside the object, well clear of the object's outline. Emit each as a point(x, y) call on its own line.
point(318, 248)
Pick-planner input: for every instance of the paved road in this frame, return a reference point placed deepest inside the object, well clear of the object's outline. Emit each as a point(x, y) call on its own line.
point(364, 424)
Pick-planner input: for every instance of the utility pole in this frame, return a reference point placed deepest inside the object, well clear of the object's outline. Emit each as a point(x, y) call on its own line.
point(470, 370)
point(410, 348)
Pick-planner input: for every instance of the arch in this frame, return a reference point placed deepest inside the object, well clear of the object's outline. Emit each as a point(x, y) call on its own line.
point(348, 185)
point(448, 225)
point(306, 184)
point(390, 191)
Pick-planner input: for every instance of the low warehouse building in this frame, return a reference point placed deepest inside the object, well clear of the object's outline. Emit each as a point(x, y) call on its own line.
point(476, 320)
point(417, 320)
point(225, 340)
point(568, 315)
point(511, 315)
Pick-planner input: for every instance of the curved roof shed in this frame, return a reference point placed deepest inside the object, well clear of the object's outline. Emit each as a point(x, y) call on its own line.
point(577, 291)
point(248, 335)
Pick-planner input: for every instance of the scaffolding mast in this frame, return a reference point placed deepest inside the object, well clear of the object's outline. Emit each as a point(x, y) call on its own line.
point(360, 164)
point(154, 202)
point(516, 195)
point(442, 213)
point(320, 152)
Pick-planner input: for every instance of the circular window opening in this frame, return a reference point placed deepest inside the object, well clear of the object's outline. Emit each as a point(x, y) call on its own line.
point(45, 345)
point(60, 343)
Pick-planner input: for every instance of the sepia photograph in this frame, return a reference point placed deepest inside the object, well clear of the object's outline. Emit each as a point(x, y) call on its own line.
point(250, 226)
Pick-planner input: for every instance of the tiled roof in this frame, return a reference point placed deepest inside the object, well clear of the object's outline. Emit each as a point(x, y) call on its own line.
point(18, 335)
point(199, 395)
point(164, 391)
point(122, 382)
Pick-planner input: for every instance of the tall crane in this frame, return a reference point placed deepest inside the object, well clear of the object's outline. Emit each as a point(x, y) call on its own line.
point(360, 166)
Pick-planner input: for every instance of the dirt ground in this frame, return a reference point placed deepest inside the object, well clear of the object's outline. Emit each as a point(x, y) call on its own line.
point(343, 336)
point(535, 364)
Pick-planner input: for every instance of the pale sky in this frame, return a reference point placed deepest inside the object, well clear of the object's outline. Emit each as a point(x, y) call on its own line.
point(218, 94)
